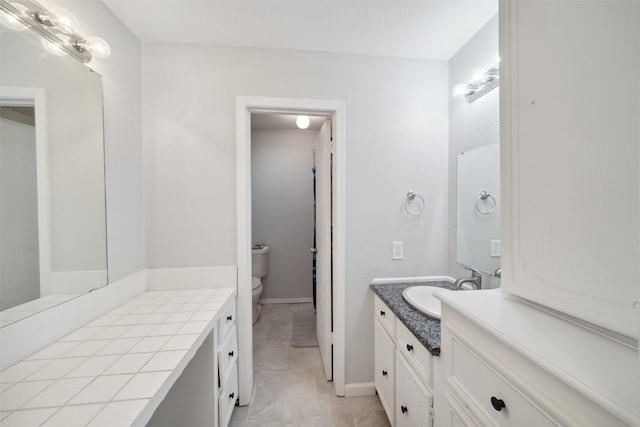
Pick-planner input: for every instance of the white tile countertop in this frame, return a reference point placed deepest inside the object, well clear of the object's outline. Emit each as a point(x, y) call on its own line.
point(116, 370)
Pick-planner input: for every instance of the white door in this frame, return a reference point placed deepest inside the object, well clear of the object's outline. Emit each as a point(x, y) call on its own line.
point(323, 246)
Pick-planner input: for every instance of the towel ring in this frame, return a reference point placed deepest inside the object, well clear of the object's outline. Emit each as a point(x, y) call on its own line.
point(484, 196)
point(412, 195)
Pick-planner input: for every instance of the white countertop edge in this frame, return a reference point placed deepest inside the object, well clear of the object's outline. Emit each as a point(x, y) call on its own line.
point(449, 299)
point(412, 279)
point(152, 405)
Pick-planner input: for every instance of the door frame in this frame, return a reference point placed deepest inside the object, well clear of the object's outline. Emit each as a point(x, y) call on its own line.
point(245, 106)
point(36, 97)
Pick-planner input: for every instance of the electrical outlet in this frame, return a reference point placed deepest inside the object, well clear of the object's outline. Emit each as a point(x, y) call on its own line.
point(398, 250)
point(496, 248)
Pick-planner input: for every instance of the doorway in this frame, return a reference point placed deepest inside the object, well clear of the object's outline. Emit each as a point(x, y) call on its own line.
point(245, 106)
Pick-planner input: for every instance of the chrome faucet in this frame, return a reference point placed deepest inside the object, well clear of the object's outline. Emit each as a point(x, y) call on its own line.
point(475, 280)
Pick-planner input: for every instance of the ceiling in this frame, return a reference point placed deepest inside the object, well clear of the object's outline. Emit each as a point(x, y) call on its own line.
point(425, 29)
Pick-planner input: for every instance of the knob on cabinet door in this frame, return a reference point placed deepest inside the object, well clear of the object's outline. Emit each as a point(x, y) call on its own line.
point(404, 409)
point(498, 404)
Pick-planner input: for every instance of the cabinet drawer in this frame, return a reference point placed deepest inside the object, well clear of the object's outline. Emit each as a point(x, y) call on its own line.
point(417, 355)
point(385, 377)
point(226, 322)
point(227, 398)
point(227, 356)
point(413, 401)
point(385, 316)
point(490, 391)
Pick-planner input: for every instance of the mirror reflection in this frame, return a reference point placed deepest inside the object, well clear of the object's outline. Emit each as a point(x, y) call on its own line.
point(52, 194)
point(478, 198)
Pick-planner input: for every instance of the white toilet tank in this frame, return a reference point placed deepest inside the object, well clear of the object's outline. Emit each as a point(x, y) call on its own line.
point(259, 261)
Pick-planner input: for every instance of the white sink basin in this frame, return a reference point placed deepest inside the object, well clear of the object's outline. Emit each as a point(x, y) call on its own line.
point(421, 298)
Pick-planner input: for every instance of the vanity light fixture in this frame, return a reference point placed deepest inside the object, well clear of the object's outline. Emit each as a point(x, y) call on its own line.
point(303, 122)
point(56, 26)
point(481, 83)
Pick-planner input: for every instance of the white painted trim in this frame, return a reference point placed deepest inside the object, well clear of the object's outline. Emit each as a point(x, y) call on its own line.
point(192, 278)
point(76, 282)
point(285, 300)
point(37, 96)
point(21, 339)
point(360, 389)
point(246, 105)
point(413, 279)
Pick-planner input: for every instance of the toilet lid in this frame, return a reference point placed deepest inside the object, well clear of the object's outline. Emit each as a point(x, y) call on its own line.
point(255, 282)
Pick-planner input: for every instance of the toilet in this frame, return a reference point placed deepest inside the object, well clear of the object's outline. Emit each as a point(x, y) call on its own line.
point(259, 269)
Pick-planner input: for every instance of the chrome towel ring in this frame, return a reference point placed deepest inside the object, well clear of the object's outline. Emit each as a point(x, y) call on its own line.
point(411, 196)
point(489, 199)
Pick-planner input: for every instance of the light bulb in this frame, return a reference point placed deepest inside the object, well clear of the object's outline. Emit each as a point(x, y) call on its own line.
point(478, 76)
point(51, 47)
point(459, 90)
point(496, 61)
point(11, 21)
point(303, 122)
point(67, 22)
point(99, 47)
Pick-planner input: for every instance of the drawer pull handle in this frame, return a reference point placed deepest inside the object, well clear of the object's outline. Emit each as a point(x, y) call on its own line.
point(232, 395)
point(231, 353)
point(404, 409)
point(384, 373)
point(382, 313)
point(409, 347)
point(497, 404)
point(229, 318)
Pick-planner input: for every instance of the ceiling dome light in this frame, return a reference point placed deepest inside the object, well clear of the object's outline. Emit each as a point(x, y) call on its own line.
point(303, 122)
point(99, 47)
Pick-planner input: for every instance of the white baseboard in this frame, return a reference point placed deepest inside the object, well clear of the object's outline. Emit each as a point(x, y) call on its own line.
point(75, 282)
point(285, 300)
point(191, 278)
point(359, 389)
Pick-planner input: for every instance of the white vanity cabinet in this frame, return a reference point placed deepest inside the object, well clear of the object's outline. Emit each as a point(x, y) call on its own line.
point(227, 365)
point(404, 371)
point(414, 401)
point(507, 363)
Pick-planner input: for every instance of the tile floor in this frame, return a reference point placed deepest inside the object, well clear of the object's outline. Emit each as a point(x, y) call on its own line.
point(290, 389)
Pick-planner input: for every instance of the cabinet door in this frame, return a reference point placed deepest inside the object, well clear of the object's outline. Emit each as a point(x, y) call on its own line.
point(385, 371)
point(413, 401)
point(570, 157)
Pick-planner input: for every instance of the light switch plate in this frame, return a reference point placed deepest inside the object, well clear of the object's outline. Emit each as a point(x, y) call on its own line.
point(398, 250)
point(496, 248)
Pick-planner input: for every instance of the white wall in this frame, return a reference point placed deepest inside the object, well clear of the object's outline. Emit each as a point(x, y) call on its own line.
point(123, 134)
point(471, 125)
point(396, 140)
point(282, 208)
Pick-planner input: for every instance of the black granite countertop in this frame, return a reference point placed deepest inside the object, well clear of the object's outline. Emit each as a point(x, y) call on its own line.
point(426, 329)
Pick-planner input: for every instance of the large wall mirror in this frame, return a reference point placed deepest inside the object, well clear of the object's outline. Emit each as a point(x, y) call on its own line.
point(52, 185)
point(478, 196)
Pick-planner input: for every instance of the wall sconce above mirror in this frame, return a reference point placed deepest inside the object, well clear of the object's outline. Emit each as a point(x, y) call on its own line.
point(57, 27)
point(482, 82)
